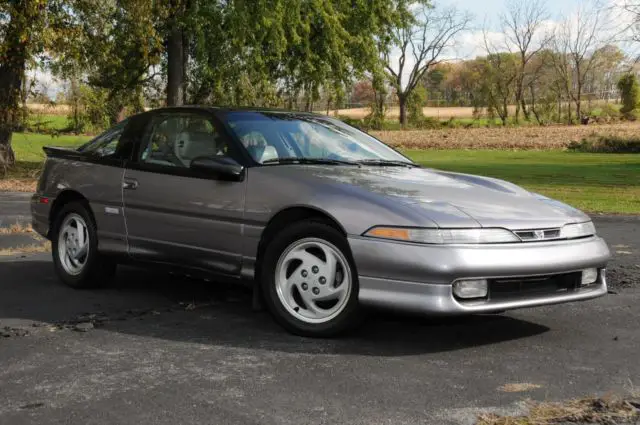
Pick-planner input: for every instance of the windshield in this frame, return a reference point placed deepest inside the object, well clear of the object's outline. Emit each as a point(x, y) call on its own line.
point(273, 137)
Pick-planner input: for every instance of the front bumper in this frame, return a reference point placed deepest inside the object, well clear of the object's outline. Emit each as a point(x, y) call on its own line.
point(418, 278)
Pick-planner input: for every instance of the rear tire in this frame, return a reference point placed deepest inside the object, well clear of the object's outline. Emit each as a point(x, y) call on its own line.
point(309, 280)
point(74, 243)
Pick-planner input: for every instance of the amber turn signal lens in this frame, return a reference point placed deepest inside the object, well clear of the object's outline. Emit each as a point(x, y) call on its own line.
point(389, 233)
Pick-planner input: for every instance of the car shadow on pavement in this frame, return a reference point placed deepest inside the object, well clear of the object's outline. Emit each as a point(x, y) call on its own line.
point(155, 305)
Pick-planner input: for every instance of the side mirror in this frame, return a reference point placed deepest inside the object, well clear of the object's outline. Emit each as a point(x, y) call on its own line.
point(224, 167)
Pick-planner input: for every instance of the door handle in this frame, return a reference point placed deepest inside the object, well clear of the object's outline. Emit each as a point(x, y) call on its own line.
point(131, 184)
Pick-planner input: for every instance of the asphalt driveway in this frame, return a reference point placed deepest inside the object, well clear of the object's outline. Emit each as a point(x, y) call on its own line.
point(161, 350)
point(14, 208)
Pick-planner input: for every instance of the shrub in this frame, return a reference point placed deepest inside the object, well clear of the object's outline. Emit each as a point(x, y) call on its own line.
point(415, 102)
point(630, 93)
point(88, 109)
point(425, 123)
point(354, 122)
point(606, 113)
point(606, 144)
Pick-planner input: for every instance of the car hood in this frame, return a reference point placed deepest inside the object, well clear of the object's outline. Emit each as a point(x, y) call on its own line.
point(453, 199)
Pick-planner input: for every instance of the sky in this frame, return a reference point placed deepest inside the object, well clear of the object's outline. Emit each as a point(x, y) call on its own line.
point(486, 17)
point(486, 14)
point(482, 9)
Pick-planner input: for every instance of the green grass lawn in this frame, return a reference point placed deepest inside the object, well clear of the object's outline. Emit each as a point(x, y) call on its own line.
point(28, 146)
point(608, 183)
point(29, 153)
point(593, 182)
point(47, 122)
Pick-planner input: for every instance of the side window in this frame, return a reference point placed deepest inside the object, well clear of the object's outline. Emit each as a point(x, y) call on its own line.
point(176, 140)
point(105, 145)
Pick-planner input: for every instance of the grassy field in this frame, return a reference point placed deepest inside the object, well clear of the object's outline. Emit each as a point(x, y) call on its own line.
point(28, 146)
point(29, 158)
point(47, 122)
point(608, 183)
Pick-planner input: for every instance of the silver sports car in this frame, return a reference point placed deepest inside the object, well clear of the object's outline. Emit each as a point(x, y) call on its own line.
point(321, 218)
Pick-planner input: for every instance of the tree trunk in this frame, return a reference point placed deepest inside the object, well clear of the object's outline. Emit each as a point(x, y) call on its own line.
point(533, 106)
point(578, 108)
point(12, 69)
point(175, 67)
point(525, 110)
point(402, 100)
point(518, 100)
point(505, 111)
point(520, 89)
point(115, 108)
point(185, 64)
point(24, 95)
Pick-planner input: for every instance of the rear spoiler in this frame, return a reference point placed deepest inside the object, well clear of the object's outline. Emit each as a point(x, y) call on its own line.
point(64, 153)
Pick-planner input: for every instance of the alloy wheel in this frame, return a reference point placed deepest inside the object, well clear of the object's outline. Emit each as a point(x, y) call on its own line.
point(73, 244)
point(313, 280)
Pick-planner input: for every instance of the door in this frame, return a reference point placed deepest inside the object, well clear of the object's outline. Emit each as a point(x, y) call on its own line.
point(99, 178)
point(175, 215)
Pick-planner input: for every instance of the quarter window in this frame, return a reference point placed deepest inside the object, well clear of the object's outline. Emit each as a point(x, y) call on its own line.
point(106, 145)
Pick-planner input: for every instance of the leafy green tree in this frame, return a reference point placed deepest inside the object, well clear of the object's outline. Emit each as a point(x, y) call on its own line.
point(291, 48)
point(116, 45)
point(415, 103)
point(499, 72)
point(630, 93)
point(21, 37)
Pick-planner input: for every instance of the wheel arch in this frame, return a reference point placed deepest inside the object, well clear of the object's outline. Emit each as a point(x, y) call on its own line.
point(286, 217)
point(65, 197)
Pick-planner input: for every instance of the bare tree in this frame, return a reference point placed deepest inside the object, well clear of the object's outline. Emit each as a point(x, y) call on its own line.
point(631, 11)
point(575, 42)
point(499, 71)
point(522, 25)
point(421, 40)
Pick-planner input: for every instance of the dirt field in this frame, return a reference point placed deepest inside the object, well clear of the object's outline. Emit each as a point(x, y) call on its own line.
point(394, 112)
point(442, 113)
point(536, 138)
point(43, 108)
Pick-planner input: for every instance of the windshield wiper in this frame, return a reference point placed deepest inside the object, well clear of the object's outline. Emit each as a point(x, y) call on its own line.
point(307, 160)
point(388, 162)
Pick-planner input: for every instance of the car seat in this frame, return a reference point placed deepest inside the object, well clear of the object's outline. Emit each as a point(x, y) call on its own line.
point(263, 152)
point(195, 142)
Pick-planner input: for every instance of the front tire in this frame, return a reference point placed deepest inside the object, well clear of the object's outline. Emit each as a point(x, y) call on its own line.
point(74, 243)
point(309, 280)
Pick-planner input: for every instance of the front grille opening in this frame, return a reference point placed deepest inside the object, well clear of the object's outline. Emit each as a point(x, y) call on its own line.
point(503, 289)
point(538, 235)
